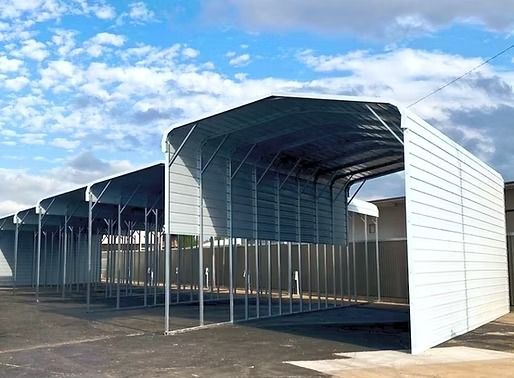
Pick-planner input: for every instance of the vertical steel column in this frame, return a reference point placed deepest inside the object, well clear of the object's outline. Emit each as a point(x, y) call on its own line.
point(179, 267)
point(377, 254)
point(290, 278)
point(167, 259)
point(16, 240)
point(318, 280)
point(246, 279)
point(45, 259)
point(218, 277)
point(231, 246)
point(167, 231)
point(279, 257)
point(191, 288)
point(270, 312)
point(200, 247)
point(341, 273)
point(348, 272)
point(52, 255)
point(145, 295)
point(157, 262)
point(89, 248)
point(38, 266)
point(326, 273)
point(334, 274)
point(309, 273)
point(59, 251)
point(65, 253)
point(34, 258)
point(256, 238)
point(366, 255)
point(299, 233)
point(73, 261)
point(354, 262)
point(116, 260)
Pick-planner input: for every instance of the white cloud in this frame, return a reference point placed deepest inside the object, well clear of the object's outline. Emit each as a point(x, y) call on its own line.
point(371, 18)
point(64, 40)
point(65, 143)
point(239, 60)
point(139, 13)
point(32, 49)
point(9, 65)
point(26, 188)
point(60, 75)
point(96, 45)
point(103, 11)
point(189, 52)
point(17, 83)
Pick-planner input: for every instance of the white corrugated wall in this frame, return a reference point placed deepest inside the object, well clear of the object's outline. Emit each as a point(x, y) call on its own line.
point(456, 237)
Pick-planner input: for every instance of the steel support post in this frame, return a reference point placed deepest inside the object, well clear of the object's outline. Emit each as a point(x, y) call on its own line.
point(179, 265)
point(366, 257)
point(348, 272)
point(290, 276)
point(108, 263)
point(256, 238)
point(191, 288)
point(279, 252)
point(52, 255)
point(38, 261)
point(354, 262)
point(167, 280)
point(325, 269)
point(270, 297)
point(89, 248)
point(59, 252)
point(334, 274)
point(309, 272)
point(318, 278)
point(341, 273)
point(116, 259)
point(34, 258)
point(145, 295)
point(299, 233)
point(45, 260)
point(157, 265)
point(200, 247)
point(64, 254)
point(230, 236)
point(16, 241)
point(377, 256)
point(246, 278)
point(316, 210)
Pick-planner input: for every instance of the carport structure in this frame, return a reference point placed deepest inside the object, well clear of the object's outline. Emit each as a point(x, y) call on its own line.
point(98, 256)
point(270, 179)
point(100, 242)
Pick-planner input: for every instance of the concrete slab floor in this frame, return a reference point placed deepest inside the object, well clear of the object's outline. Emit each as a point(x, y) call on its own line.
point(57, 339)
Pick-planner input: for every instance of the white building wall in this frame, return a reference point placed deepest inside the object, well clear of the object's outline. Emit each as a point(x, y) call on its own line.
point(455, 236)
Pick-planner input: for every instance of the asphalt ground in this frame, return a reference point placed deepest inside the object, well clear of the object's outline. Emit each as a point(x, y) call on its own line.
point(58, 338)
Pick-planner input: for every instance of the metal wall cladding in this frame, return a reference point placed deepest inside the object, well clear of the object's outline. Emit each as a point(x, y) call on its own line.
point(51, 260)
point(266, 205)
point(456, 238)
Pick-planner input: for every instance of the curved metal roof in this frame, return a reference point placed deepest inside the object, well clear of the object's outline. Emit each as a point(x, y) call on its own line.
point(363, 207)
point(329, 136)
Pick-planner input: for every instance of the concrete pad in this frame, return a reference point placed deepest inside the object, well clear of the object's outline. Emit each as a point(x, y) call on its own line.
point(398, 360)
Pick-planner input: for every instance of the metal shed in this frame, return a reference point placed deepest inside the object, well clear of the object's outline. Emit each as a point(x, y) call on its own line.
point(272, 176)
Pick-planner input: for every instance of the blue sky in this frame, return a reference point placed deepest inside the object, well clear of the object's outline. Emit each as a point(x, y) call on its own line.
point(87, 87)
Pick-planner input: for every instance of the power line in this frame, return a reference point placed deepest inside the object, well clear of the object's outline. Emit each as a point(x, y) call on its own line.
point(461, 76)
